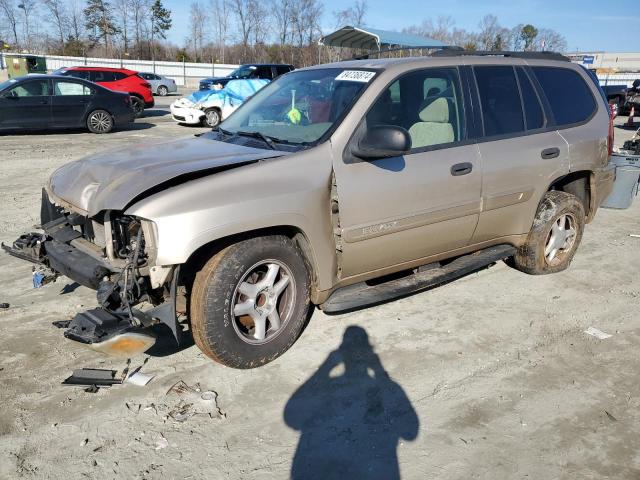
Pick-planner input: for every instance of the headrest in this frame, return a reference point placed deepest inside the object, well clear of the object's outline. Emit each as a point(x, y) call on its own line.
point(435, 111)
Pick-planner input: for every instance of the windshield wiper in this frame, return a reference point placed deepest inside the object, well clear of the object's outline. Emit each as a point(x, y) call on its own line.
point(261, 136)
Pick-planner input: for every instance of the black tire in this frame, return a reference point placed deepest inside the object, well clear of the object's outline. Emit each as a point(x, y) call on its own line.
point(163, 91)
point(228, 338)
point(99, 121)
point(558, 211)
point(212, 118)
point(138, 106)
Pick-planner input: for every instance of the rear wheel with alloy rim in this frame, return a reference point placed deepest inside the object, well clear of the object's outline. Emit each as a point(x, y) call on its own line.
point(100, 121)
point(250, 301)
point(554, 237)
point(138, 106)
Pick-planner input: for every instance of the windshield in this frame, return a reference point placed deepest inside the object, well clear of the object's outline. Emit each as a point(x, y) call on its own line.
point(300, 107)
point(242, 72)
point(6, 84)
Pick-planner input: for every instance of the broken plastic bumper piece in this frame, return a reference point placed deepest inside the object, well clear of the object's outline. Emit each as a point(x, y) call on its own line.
point(109, 333)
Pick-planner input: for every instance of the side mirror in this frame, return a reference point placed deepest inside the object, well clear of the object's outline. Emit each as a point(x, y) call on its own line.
point(383, 141)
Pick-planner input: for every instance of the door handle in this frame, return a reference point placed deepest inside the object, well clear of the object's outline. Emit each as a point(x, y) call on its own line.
point(461, 169)
point(548, 153)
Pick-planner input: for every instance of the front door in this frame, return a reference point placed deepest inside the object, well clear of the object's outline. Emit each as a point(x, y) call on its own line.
point(27, 105)
point(427, 202)
point(70, 102)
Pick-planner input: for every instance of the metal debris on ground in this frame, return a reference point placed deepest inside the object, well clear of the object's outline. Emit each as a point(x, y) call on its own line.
point(634, 235)
point(611, 417)
point(193, 401)
point(162, 443)
point(599, 334)
point(93, 378)
point(140, 379)
point(61, 323)
point(4, 305)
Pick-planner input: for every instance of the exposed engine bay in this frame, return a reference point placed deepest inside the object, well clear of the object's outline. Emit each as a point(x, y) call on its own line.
point(111, 253)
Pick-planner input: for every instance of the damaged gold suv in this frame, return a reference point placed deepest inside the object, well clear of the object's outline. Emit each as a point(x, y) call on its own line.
point(341, 186)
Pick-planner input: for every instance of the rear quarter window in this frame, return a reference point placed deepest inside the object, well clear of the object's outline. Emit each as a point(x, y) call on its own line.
point(568, 94)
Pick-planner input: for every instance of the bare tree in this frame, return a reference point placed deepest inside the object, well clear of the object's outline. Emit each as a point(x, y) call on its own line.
point(550, 40)
point(220, 13)
point(123, 15)
point(27, 6)
point(58, 18)
point(9, 9)
point(140, 10)
point(76, 19)
point(353, 15)
point(281, 10)
point(198, 23)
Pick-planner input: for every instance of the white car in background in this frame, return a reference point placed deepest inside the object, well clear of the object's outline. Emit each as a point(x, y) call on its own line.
point(210, 107)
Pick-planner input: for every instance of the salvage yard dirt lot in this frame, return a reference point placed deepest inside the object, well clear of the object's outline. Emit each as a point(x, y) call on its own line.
point(489, 377)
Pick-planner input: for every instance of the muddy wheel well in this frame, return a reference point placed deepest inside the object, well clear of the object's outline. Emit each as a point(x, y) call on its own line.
point(202, 255)
point(578, 184)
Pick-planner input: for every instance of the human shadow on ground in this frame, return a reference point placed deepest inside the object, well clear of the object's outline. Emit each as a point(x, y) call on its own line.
point(350, 418)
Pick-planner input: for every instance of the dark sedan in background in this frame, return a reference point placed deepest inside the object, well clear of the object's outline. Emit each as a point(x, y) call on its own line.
point(52, 101)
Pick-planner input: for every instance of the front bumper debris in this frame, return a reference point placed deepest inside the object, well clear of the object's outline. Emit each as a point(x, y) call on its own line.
point(110, 333)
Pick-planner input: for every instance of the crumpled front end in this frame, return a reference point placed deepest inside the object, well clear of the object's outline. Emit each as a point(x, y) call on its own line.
point(185, 111)
point(113, 254)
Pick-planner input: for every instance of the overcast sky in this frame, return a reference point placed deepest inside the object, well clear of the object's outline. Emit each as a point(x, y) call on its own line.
point(610, 25)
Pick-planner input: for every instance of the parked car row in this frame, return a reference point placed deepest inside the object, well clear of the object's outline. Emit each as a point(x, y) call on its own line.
point(94, 97)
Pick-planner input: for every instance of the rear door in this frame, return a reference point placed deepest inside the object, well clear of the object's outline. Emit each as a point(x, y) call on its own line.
point(27, 105)
point(70, 102)
point(521, 150)
point(402, 209)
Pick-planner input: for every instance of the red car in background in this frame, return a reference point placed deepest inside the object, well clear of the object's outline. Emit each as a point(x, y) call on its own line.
point(118, 79)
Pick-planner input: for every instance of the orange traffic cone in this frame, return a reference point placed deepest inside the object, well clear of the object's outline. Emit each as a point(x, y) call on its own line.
point(630, 121)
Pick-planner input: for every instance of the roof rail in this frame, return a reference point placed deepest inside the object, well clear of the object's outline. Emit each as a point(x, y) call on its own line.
point(399, 49)
point(526, 55)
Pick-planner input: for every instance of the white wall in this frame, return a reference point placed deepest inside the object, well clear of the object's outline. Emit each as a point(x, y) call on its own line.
point(183, 73)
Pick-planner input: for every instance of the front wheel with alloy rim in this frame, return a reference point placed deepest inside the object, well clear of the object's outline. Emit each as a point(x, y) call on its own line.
point(100, 121)
point(554, 237)
point(250, 301)
point(211, 117)
point(138, 106)
point(162, 91)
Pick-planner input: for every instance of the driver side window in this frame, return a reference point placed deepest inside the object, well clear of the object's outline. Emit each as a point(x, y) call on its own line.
point(427, 103)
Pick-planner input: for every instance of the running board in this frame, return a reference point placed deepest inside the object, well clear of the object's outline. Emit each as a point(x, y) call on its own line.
point(361, 295)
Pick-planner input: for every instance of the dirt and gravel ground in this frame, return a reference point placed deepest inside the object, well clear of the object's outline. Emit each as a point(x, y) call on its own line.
point(489, 377)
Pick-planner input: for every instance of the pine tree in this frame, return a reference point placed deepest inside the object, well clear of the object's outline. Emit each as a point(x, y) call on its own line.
point(99, 21)
point(160, 23)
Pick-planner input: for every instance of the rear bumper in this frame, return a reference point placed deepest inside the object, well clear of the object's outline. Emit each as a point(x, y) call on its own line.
point(124, 118)
point(149, 103)
point(603, 180)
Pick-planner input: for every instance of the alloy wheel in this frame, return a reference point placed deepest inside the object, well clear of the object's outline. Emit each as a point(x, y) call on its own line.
point(263, 301)
point(561, 238)
point(100, 122)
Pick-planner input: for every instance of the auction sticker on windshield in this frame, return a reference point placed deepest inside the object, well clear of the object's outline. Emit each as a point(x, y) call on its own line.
point(356, 76)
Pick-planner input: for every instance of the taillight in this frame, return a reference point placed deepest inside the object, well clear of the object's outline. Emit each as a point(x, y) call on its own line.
point(611, 135)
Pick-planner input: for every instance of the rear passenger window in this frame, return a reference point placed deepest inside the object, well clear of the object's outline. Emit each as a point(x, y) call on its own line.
point(533, 114)
point(500, 100)
point(99, 76)
point(427, 103)
point(119, 76)
point(570, 98)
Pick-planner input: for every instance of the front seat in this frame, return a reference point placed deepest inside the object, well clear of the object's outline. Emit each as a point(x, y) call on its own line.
point(434, 127)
